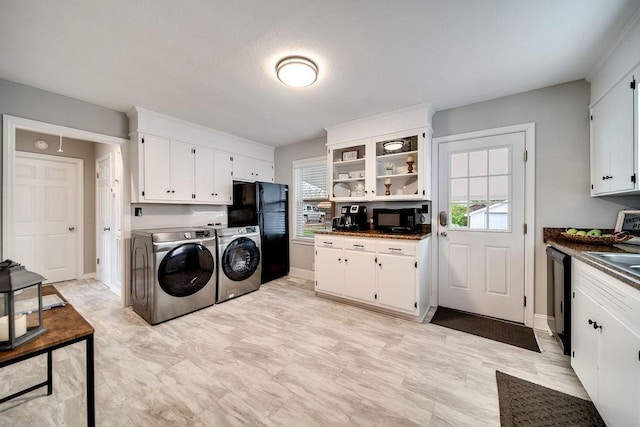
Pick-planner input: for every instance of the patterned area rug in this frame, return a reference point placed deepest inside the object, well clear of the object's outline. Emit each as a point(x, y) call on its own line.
point(486, 327)
point(525, 404)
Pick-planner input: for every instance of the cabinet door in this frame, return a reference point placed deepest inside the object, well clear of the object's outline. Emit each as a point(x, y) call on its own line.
point(619, 372)
point(263, 170)
point(348, 173)
point(249, 169)
point(223, 179)
point(584, 340)
point(612, 126)
point(204, 175)
point(360, 275)
point(396, 282)
point(329, 271)
point(182, 171)
point(156, 161)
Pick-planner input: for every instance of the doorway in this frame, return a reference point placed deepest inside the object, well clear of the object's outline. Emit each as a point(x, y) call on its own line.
point(485, 207)
point(12, 126)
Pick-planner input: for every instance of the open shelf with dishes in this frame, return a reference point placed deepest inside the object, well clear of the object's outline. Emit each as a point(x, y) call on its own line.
point(348, 168)
point(397, 167)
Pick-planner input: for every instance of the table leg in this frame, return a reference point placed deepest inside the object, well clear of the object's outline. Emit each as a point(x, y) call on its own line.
point(49, 373)
point(91, 404)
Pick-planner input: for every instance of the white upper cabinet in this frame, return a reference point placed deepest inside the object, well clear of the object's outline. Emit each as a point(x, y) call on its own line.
point(250, 169)
point(614, 139)
point(381, 158)
point(168, 169)
point(173, 161)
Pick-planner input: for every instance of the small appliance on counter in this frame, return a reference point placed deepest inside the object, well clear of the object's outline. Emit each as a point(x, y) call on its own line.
point(353, 218)
point(403, 220)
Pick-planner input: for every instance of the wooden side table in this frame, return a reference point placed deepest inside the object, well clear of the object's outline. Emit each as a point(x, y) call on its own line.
point(65, 326)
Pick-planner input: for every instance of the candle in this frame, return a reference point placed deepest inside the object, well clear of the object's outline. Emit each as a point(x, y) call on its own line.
point(387, 181)
point(409, 158)
point(20, 327)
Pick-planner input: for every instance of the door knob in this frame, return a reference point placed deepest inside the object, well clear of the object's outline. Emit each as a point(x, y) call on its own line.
point(106, 229)
point(72, 228)
point(443, 233)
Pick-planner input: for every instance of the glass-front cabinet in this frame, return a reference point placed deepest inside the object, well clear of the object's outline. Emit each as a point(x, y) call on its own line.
point(390, 167)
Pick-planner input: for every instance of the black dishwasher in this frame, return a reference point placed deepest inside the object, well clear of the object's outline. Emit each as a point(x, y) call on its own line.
point(559, 296)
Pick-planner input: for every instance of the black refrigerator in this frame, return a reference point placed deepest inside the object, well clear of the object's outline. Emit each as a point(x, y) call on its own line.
point(264, 204)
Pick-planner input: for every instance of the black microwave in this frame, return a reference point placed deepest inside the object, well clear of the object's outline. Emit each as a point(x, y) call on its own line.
point(406, 220)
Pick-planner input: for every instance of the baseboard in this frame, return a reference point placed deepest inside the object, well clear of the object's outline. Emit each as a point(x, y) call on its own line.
point(541, 322)
point(302, 273)
point(89, 276)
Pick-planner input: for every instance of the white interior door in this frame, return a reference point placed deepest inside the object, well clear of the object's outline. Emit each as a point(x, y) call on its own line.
point(44, 237)
point(481, 241)
point(105, 220)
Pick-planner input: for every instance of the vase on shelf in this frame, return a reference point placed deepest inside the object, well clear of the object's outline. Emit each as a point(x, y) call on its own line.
point(410, 163)
point(387, 186)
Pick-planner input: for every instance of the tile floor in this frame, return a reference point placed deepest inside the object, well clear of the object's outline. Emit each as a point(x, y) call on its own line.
point(278, 357)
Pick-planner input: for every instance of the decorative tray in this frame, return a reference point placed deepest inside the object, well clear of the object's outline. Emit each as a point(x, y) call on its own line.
point(600, 240)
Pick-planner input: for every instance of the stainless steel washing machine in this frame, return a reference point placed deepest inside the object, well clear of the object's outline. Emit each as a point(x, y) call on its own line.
point(173, 272)
point(239, 261)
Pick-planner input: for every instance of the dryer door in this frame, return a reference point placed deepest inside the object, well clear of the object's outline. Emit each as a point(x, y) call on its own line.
point(185, 270)
point(240, 259)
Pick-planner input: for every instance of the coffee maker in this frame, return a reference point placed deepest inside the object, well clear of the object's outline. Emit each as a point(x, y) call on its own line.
point(353, 218)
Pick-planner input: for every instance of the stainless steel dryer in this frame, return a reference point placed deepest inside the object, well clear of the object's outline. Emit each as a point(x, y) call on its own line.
point(239, 261)
point(173, 272)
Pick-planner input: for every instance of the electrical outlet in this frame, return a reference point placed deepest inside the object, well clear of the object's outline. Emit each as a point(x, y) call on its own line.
point(137, 211)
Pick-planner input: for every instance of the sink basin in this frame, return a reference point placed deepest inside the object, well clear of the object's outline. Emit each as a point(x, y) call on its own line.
point(628, 262)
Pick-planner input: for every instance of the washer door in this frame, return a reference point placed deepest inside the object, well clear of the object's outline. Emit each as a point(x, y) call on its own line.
point(240, 259)
point(185, 270)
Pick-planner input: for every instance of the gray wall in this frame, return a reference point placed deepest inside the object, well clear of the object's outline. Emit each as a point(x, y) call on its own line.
point(301, 254)
point(31, 103)
point(562, 196)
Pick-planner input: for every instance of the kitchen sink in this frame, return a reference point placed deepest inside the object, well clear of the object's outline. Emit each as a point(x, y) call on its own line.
point(627, 262)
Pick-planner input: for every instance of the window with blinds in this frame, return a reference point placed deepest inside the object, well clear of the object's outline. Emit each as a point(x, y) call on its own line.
point(312, 208)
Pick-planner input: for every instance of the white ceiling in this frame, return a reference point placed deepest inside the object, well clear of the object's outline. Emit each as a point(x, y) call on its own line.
point(212, 62)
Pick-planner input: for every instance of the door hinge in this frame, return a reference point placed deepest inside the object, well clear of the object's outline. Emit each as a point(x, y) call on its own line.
point(524, 228)
point(415, 264)
point(424, 134)
point(591, 117)
point(375, 260)
point(143, 140)
point(375, 296)
point(592, 186)
point(97, 176)
point(316, 252)
point(573, 295)
point(193, 150)
point(633, 178)
point(415, 304)
point(143, 192)
point(638, 354)
point(193, 196)
point(573, 354)
point(524, 300)
point(633, 84)
point(424, 192)
point(525, 156)
point(98, 261)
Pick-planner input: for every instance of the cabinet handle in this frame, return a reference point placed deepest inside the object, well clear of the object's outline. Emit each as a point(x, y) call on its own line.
point(395, 249)
point(327, 243)
point(358, 246)
point(595, 324)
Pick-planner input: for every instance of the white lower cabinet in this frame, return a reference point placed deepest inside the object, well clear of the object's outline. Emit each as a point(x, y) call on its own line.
point(605, 326)
point(385, 275)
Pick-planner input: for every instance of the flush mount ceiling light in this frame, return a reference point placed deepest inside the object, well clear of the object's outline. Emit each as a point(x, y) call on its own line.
point(297, 71)
point(41, 145)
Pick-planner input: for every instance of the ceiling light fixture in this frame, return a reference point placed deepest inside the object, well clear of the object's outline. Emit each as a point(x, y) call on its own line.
point(297, 71)
point(393, 146)
point(41, 145)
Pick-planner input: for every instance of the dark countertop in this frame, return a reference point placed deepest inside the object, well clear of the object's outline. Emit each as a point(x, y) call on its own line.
point(577, 250)
point(377, 234)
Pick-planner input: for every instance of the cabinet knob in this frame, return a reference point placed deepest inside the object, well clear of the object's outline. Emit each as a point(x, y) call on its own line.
point(168, 191)
point(173, 191)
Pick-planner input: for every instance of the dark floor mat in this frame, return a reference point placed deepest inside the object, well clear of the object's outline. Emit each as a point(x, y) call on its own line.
point(497, 330)
point(523, 404)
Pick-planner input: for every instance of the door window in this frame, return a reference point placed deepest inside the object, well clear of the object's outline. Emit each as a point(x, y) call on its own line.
point(480, 189)
point(240, 259)
point(185, 270)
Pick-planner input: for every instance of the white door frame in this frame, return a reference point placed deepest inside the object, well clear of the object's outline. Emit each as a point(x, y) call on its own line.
point(529, 207)
point(10, 124)
point(79, 208)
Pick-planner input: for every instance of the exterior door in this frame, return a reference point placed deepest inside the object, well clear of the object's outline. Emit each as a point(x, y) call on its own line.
point(481, 200)
point(106, 227)
point(44, 237)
